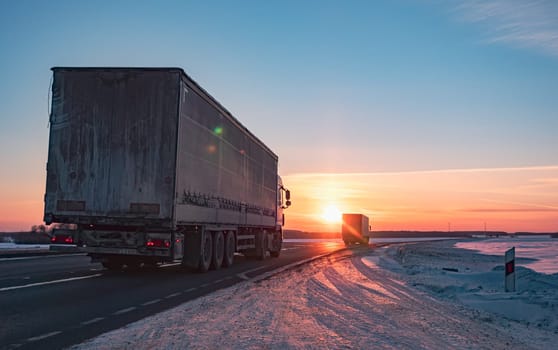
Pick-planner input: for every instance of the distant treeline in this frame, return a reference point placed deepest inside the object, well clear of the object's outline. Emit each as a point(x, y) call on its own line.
point(405, 234)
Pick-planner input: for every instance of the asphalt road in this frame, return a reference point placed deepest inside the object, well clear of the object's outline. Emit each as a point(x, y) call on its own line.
point(52, 302)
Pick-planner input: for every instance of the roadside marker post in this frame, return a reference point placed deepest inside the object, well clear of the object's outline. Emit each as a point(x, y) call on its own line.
point(510, 270)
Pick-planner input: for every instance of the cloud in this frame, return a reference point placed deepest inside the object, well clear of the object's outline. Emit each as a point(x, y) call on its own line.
point(509, 210)
point(437, 171)
point(521, 23)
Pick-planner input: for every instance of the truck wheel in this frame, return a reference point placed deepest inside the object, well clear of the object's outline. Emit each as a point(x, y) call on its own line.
point(206, 252)
point(261, 249)
point(218, 250)
point(229, 249)
point(276, 245)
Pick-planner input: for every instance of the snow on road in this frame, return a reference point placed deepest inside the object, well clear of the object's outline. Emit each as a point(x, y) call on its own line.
point(377, 300)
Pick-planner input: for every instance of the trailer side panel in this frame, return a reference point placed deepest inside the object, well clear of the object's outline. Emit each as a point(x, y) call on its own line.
point(224, 174)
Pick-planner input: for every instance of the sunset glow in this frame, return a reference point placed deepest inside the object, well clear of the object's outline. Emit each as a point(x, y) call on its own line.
point(331, 214)
point(505, 199)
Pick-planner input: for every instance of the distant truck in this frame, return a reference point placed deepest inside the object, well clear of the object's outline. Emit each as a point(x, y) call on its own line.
point(151, 169)
point(355, 229)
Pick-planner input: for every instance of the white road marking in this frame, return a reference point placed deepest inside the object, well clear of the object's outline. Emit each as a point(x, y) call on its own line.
point(173, 295)
point(123, 311)
point(204, 285)
point(44, 336)
point(190, 290)
point(95, 320)
point(151, 302)
point(170, 265)
point(48, 282)
point(218, 281)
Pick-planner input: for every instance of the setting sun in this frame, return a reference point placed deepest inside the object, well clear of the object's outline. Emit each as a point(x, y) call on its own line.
point(331, 214)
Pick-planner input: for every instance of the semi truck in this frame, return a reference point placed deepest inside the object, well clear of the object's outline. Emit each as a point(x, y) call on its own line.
point(149, 168)
point(355, 229)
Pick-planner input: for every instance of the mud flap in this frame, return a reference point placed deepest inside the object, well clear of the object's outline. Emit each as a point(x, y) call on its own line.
point(192, 249)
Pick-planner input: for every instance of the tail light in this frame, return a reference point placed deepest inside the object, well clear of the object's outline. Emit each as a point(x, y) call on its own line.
point(158, 243)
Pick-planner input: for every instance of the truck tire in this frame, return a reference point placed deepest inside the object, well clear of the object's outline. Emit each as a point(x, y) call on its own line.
point(276, 244)
point(230, 248)
point(218, 250)
point(261, 248)
point(206, 251)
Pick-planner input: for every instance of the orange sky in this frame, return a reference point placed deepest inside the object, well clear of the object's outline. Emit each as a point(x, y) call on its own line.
point(506, 199)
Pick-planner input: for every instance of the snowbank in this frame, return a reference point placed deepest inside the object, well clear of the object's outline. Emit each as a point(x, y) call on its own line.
point(14, 246)
point(477, 280)
point(390, 298)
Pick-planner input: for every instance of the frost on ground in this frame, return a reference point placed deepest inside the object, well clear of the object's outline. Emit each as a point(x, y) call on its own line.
point(392, 298)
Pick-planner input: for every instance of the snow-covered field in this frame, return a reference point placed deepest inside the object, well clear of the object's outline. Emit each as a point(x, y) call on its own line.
point(539, 253)
point(396, 297)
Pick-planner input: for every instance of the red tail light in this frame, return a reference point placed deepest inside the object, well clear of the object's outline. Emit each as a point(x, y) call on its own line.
point(53, 239)
point(158, 243)
point(68, 240)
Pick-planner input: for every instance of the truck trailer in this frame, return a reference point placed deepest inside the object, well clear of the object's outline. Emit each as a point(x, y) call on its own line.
point(355, 228)
point(149, 168)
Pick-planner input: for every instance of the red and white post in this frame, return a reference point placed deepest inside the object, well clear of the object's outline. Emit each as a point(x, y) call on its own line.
point(510, 270)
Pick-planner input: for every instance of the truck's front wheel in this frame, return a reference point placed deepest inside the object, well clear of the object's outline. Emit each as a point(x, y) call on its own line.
point(276, 244)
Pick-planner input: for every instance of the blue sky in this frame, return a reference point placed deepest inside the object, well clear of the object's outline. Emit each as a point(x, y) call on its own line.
point(330, 86)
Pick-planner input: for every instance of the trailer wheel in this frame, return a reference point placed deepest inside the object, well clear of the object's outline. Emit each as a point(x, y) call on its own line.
point(228, 258)
point(218, 250)
point(206, 252)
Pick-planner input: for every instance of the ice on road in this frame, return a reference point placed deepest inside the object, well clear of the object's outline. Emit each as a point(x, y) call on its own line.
point(372, 300)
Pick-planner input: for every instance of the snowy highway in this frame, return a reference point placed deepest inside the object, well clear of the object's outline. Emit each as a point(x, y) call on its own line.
point(397, 297)
point(50, 302)
point(427, 295)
